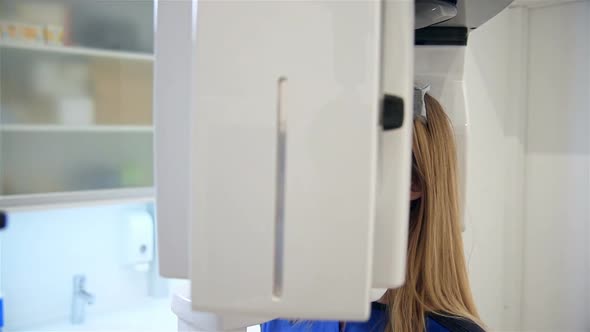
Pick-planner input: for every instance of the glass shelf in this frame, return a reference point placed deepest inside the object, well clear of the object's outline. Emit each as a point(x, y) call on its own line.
point(34, 162)
point(75, 101)
point(74, 129)
point(68, 89)
point(82, 51)
point(15, 203)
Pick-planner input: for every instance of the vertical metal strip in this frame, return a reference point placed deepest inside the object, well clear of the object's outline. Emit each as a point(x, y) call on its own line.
point(281, 165)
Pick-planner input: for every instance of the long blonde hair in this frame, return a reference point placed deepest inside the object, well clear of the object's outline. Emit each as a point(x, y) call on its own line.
point(436, 276)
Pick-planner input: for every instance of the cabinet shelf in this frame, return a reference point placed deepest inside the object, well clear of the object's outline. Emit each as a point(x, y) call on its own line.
point(67, 199)
point(73, 50)
point(76, 123)
point(81, 129)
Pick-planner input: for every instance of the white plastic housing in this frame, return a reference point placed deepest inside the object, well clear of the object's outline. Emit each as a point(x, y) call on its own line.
point(191, 321)
point(255, 60)
point(172, 97)
point(395, 149)
point(270, 153)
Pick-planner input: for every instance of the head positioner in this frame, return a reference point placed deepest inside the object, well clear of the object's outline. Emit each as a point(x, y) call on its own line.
point(419, 106)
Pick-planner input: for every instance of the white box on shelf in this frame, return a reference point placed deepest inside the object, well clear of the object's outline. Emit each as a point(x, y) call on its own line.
point(76, 111)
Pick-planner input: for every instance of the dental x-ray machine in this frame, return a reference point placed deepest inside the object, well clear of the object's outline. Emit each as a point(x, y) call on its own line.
point(283, 148)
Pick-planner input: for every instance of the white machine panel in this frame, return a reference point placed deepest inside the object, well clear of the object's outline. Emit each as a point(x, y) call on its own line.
point(474, 13)
point(286, 118)
point(173, 82)
point(395, 149)
point(273, 173)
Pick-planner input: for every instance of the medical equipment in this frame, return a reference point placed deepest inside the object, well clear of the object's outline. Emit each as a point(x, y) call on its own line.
point(281, 191)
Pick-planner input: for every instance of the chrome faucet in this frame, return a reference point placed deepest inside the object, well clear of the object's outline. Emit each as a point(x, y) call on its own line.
point(80, 298)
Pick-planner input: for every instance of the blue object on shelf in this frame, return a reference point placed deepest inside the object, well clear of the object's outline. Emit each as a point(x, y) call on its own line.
point(1, 313)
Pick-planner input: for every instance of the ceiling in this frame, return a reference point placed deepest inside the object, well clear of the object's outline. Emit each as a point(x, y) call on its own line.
point(473, 13)
point(541, 3)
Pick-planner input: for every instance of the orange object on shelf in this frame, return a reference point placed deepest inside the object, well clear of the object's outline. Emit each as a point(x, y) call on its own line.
point(54, 35)
point(20, 32)
point(9, 31)
point(31, 33)
point(122, 91)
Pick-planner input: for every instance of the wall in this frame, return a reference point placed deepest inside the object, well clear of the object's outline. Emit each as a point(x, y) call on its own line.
point(42, 250)
point(528, 89)
point(495, 174)
point(556, 242)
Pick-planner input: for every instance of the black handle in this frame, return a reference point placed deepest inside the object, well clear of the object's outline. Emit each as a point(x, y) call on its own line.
point(392, 112)
point(3, 220)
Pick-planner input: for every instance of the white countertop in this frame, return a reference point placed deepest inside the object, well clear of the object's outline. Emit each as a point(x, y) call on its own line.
point(154, 316)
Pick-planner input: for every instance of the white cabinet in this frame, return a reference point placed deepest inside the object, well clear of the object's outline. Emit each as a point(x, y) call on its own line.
point(75, 101)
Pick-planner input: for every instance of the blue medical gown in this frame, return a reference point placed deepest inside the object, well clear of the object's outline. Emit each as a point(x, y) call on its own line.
point(376, 323)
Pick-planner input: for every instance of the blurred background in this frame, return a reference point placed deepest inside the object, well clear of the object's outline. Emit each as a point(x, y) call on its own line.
point(76, 169)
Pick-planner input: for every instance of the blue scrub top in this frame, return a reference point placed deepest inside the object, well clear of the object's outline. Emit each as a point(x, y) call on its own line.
point(376, 323)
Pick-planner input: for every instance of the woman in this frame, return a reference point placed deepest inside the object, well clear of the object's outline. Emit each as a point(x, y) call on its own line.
point(436, 296)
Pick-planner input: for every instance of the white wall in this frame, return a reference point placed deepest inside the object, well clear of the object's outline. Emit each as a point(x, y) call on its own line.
point(527, 240)
point(496, 161)
point(42, 250)
point(556, 242)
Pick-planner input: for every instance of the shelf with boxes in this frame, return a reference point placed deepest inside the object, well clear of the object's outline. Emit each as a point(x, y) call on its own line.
point(75, 102)
point(40, 166)
point(74, 87)
point(83, 29)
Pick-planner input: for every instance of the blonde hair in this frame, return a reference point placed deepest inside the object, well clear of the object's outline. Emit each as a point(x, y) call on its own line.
point(436, 276)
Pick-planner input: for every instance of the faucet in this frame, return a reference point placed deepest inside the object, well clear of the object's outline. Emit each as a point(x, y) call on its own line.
point(80, 298)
